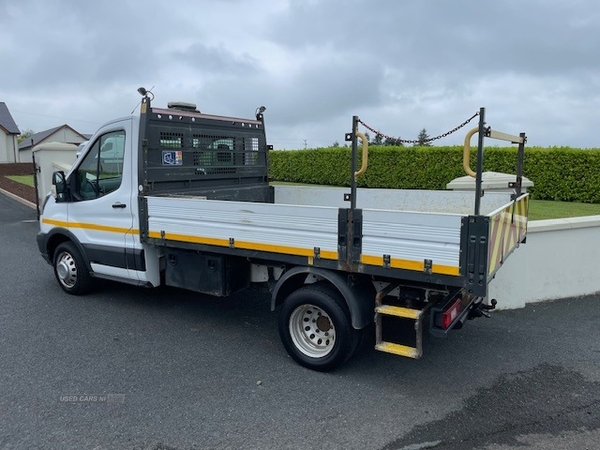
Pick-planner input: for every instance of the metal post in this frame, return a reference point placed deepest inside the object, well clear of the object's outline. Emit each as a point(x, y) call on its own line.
point(35, 183)
point(142, 157)
point(354, 163)
point(520, 157)
point(478, 178)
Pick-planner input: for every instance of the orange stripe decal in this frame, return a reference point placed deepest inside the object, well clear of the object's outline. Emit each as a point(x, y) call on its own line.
point(408, 264)
point(90, 226)
point(297, 251)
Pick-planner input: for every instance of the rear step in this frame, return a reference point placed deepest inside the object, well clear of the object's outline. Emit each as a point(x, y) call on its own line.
point(397, 349)
point(398, 311)
point(399, 318)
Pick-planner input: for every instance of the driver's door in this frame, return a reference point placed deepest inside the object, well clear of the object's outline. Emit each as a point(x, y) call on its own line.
point(100, 211)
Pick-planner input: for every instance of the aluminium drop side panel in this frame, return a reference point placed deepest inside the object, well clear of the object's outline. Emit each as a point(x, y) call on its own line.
point(414, 241)
point(264, 227)
point(415, 200)
point(421, 242)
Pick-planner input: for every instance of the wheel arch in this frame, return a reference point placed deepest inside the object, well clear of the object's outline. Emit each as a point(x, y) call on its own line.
point(358, 292)
point(59, 235)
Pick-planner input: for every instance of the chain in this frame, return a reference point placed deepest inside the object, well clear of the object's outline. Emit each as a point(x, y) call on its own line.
point(417, 141)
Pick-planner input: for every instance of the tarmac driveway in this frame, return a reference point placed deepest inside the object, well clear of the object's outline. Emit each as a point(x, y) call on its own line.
point(132, 368)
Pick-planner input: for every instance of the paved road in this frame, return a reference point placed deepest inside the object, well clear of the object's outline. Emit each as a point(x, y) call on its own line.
point(130, 368)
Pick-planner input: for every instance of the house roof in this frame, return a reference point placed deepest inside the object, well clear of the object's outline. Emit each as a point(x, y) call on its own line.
point(43, 135)
point(38, 137)
point(6, 120)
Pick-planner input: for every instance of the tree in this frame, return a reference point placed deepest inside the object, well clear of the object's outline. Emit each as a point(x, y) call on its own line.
point(422, 138)
point(393, 142)
point(378, 139)
point(336, 144)
point(28, 132)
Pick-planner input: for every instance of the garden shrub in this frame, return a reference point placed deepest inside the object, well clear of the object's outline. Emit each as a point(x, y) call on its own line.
point(559, 173)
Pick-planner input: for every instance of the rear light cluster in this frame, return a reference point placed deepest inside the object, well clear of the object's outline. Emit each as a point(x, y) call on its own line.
point(449, 315)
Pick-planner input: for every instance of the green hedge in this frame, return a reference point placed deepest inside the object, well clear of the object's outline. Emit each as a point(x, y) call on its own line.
point(559, 173)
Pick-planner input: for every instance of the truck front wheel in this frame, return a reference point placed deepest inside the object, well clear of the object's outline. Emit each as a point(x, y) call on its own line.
point(70, 269)
point(315, 327)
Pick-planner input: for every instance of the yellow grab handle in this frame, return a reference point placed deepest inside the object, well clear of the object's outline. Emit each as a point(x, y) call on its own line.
point(365, 154)
point(467, 152)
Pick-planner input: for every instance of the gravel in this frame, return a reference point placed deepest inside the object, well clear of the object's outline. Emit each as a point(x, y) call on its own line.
point(19, 189)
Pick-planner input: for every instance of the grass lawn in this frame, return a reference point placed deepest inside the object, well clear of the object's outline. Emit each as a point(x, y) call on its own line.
point(23, 179)
point(547, 209)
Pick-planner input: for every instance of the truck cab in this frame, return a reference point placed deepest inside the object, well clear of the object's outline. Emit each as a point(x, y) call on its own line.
point(95, 210)
point(99, 204)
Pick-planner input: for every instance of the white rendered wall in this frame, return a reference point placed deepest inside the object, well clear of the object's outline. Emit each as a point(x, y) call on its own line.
point(50, 157)
point(3, 146)
point(560, 259)
point(8, 143)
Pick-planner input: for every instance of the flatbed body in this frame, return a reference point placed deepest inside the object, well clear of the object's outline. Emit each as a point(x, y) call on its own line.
point(401, 229)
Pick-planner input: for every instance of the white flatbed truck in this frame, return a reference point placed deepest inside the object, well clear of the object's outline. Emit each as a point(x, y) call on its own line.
point(179, 198)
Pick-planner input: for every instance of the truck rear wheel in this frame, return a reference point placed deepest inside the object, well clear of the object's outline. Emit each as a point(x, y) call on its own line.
point(70, 270)
point(315, 328)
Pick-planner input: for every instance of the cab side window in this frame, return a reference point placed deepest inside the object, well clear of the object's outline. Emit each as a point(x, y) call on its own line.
point(101, 170)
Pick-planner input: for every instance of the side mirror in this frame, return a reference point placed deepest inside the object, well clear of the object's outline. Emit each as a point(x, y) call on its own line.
point(59, 185)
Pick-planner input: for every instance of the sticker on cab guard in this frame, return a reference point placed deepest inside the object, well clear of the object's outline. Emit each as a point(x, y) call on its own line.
point(172, 158)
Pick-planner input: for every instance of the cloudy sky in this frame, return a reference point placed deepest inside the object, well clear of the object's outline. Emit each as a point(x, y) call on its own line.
point(400, 65)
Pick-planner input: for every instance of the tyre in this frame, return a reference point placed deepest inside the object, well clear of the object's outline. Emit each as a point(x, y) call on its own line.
point(70, 269)
point(315, 328)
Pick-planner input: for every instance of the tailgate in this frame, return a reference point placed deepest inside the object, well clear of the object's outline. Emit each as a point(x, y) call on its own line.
point(507, 229)
point(488, 240)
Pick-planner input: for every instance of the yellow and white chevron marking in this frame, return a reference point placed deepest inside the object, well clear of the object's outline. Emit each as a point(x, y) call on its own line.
point(507, 229)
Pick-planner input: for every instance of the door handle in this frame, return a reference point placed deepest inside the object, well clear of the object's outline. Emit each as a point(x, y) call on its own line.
point(119, 205)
